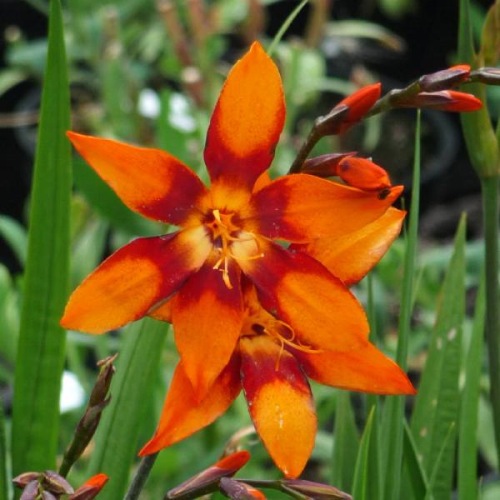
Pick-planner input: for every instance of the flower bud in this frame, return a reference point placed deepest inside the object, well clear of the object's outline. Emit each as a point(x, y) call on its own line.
point(348, 111)
point(444, 100)
point(239, 490)
point(91, 488)
point(444, 79)
point(208, 480)
point(324, 165)
point(318, 491)
point(23, 479)
point(55, 483)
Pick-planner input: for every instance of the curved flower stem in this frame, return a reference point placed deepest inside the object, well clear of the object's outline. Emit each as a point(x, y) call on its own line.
point(140, 477)
point(313, 137)
point(489, 188)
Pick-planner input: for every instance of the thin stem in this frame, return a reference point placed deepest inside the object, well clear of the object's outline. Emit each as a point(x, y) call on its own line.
point(304, 151)
point(141, 477)
point(489, 186)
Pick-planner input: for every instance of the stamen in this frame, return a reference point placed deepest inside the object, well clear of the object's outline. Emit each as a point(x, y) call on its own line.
point(290, 342)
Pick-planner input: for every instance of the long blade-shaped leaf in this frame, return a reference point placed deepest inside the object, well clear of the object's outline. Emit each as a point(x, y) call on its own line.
point(40, 354)
point(116, 440)
point(366, 483)
point(436, 407)
point(346, 444)
point(414, 473)
point(393, 423)
point(469, 408)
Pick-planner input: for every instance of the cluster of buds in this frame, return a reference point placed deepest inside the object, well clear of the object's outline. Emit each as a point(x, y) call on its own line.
point(432, 91)
point(50, 485)
point(219, 477)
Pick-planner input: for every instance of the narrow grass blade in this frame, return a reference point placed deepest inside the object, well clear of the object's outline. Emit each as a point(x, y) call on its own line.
point(366, 483)
point(346, 443)
point(116, 443)
point(416, 478)
point(284, 27)
point(437, 403)
point(40, 355)
point(393, 423)
point(469, 408)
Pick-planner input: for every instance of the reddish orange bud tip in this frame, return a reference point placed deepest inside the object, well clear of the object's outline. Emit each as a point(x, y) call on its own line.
point(363, 174)
point(239, 489)
point(91, 488)
point(444, 79)
point(361, 101)
point(233, 462)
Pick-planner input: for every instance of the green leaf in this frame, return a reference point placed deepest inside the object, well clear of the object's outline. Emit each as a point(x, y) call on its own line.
point(393, 422)
point(366, 483)
point(346, 443)
point(469, 407)
point(415, 474)
point(478, 131)
point(116, 444)
point(436, 406)
point(15, 235)
point(40, 355)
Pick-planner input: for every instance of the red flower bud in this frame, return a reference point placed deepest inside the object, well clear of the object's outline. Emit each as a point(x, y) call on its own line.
point(349, 111)
point(237, 489)
point(324, 165)
point(363, 174)
point(314, 490)
point(445, 100)
point(91, 488)
point(208, 480)
point(444, 79)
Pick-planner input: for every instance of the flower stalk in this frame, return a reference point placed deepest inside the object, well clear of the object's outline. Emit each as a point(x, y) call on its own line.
point(87, 426)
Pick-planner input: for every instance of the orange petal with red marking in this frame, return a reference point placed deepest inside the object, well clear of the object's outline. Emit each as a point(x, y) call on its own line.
point(353, 255)
point(247, 120)
point(207, 318)
point(366, 369)
point(317, 306)
point(300, 208)
point(183, 414)
point(149, 181)
point(132, 280)
point(280, 402)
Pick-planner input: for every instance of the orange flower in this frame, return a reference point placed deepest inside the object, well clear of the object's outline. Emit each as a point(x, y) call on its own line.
point(272, 361)
point(227, 232)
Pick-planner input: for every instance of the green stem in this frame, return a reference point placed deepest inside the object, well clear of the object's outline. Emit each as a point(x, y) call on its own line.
point(489, 186)
point(141, 477)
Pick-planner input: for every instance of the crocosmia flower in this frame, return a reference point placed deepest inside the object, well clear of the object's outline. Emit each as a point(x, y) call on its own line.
point(255, 278)
point(236, 229)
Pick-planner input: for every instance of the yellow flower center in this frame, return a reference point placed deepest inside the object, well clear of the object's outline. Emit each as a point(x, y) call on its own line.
point(230, 241)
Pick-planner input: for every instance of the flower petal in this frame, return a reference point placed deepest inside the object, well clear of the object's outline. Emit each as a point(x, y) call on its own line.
point(149, 181)
point(132, 280)
point(183, 414)
point(247, 120)
point(279, 401)
point(301, 207)
point(353, 255)
point(207, 318)
point(317, 306)
point(366, 369)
